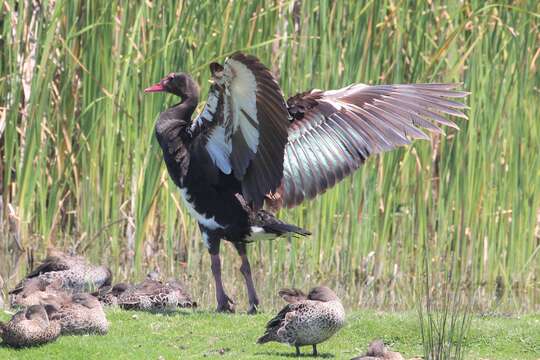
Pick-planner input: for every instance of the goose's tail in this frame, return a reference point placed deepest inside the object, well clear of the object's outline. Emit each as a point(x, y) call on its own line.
point(264, 225)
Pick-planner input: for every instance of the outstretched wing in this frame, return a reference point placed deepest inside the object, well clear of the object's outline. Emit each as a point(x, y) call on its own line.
point(245, 123)
point(333, 132)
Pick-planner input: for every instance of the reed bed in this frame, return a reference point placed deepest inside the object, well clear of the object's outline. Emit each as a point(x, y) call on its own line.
point(81, 169)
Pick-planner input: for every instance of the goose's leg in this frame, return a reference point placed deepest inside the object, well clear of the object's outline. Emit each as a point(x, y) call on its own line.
point(297, 350)
point(225, 304)
point(245, 269)
point(314, 349)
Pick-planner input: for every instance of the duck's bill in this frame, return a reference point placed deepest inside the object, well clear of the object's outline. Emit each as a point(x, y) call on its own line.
point(154, 88)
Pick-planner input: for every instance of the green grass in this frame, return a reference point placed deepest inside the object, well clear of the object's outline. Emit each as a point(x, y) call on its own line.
point(80, 166)
point(188, 335)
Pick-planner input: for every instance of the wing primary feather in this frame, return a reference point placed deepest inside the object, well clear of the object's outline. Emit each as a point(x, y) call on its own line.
point(350, 137)
point(319, 162)
point(399, 124)
point(349, 158)
point(304, 169)
point(413, 117)
point(334, 147)
point(327, 155)
point(428, 102)
point(296, 176)
point(361, 145)
point(311, 176)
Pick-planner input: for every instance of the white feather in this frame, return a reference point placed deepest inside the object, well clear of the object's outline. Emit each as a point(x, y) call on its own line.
point(208, 112)
point(243, 88)
point(258, 233)
point(211, 106)
point(209, 223)
point(219, 148)
point(206, 241)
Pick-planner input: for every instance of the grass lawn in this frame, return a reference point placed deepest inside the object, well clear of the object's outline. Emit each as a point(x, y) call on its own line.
point(200, 334)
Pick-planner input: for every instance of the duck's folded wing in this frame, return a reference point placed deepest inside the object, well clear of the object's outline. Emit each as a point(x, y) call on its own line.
point(245, 125)
point(274, 327)
point(333, 132)
point(292, 295)
point(50, 264)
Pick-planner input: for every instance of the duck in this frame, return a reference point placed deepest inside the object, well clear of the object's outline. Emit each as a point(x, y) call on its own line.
point(306, 320)
point(38, 291)
point(81, 314)
point(378, 351)
point(108, 295)
point(73, 273)
point(249, 153)
point(29, 327)
point(156, 296)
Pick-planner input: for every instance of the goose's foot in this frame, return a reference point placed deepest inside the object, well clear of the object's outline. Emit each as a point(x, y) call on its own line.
point(253, 309)
point(225, 304)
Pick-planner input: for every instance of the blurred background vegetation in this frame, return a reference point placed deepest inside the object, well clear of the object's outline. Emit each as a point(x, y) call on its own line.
point(80, 167)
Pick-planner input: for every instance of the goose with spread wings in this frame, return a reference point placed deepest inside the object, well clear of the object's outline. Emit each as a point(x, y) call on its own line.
point(249, 150)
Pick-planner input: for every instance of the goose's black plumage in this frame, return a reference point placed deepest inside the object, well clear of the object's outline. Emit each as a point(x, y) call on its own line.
point(249, 147)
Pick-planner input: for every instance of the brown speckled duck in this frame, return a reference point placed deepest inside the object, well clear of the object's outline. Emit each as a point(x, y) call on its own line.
point(154, 295)
point(81, 314)
point(38, 291)
point(108, 295)
point(29, 327)
point(74, 273)
point(377, 351)
point(306, 320)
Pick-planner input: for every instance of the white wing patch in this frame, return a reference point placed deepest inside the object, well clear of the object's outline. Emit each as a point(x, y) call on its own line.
point(206, 240)
point(219, 148)
point(209, 223)
point(241, 102)
point(258, 233)
point(208, 112)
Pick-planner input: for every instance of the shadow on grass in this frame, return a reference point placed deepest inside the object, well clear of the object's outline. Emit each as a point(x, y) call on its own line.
point(3, 345)
point(168, 313)
point(174, 313)
point(292, 354)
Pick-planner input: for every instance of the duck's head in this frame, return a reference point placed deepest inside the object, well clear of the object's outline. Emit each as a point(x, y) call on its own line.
point(179, 84)
point(376, 348)
point(86, 300)
point(36, 312)
point(32, 286)
point(51, 308)
point(119, 289)
point(153, 275)
point(322, 293)
point(106, 273)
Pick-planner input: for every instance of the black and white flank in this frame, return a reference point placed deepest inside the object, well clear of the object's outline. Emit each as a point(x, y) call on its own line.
point(249, 147)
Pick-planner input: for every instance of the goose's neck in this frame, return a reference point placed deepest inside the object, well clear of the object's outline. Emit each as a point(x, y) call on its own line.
point(174, 122)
